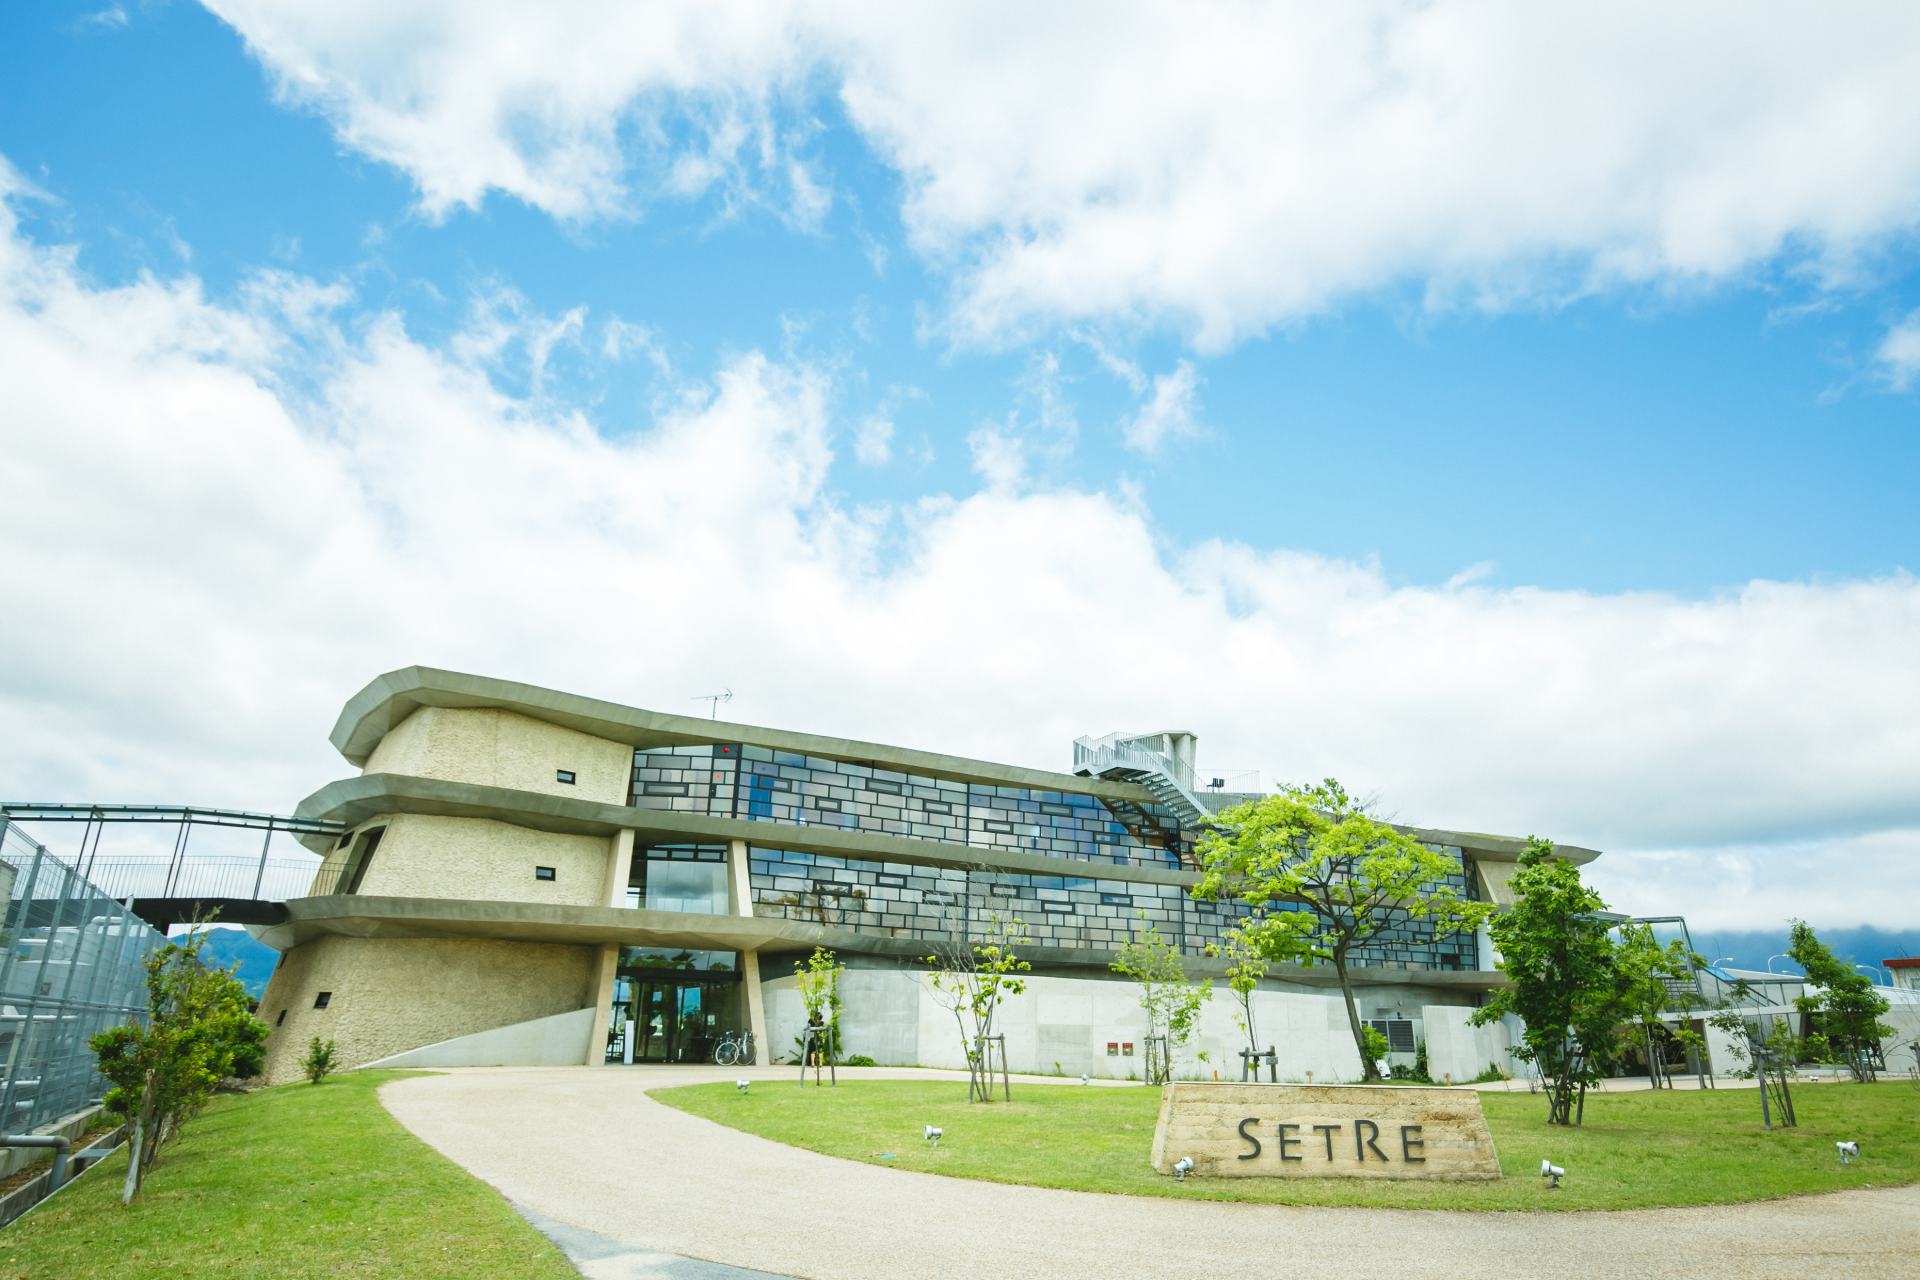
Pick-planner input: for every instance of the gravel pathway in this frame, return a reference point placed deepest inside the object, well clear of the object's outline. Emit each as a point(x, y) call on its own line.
point(589, 1150)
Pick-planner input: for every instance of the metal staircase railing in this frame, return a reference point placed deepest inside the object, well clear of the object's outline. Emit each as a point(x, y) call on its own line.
point(1169, 780)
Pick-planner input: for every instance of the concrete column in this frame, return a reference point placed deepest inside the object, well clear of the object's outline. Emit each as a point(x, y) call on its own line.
point(739, 883)
point(740, 899)
point(602, 1004)
point(756, 1008)
point(619, 867)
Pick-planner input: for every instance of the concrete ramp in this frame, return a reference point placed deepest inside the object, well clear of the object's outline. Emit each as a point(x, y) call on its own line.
point(559, 1040)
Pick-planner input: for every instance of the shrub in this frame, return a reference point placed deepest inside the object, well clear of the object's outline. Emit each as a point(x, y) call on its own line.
point(1376, 1045)
point(861, 1060)
point(1491, 1074)
point(319, 1060)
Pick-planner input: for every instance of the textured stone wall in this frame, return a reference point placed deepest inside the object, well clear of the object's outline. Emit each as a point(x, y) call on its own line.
point(393, 994)
point(426, 856)
point(495, 748)
point(1321, 1131)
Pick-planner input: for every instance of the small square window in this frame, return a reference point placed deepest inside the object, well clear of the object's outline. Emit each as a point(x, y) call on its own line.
point(543, 873)
point(322, 1000)
point(563, 775)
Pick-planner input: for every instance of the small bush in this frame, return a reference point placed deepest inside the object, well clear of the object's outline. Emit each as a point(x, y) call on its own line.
point(860, 1060)
point(1491, 1074)
point(319, 1060)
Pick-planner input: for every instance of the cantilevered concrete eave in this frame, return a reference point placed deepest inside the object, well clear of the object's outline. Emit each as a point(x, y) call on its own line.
point(371, 713)
point(353, 801)
point(1497, 848)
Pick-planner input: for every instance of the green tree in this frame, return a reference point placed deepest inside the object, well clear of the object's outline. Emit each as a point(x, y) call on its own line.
point(1170, 1000)
point(971, 979)
point(1358, 878)
point(1558, 954)
point(197, 1028)
point(819, 979)
point(1651, 980)
point(1845, 1003)
point(1247, 963)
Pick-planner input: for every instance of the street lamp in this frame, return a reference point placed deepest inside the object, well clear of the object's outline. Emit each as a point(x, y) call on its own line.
point(1874, 968)
point(1718, 961)
point(1777, 956)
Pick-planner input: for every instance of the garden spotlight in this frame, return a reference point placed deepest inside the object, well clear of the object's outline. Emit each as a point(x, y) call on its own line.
point(1182, 1167)
point(741, 1085)
point(1849, 1151)
point(1552, 1172)
point(933, 1136)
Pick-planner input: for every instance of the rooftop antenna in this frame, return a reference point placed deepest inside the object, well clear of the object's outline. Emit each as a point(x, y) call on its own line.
point(713, 701)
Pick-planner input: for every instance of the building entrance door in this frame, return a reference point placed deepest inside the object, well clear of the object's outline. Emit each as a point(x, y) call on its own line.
point(671, 1017)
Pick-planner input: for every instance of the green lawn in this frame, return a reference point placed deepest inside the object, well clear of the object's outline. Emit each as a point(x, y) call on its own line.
point(1635, 1149)
point(293, 1182)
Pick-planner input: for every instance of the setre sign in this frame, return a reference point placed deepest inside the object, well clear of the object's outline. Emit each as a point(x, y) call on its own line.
point(1324, 1131)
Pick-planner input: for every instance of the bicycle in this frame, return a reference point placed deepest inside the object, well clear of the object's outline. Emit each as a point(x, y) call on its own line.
point(734, 1052)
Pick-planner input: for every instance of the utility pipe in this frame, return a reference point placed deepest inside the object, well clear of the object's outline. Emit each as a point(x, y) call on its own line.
point(60, 1147)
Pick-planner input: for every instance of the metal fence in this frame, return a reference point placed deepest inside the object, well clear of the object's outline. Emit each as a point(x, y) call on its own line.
point(73, 964)
point(266, 879)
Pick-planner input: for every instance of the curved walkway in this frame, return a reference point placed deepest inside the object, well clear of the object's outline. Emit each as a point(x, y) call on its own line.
point(587, 1148)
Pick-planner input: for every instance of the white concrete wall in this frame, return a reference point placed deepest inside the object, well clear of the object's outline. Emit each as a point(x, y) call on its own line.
point(556, 1041)
point(1063, 1025)
point(1457, 1049)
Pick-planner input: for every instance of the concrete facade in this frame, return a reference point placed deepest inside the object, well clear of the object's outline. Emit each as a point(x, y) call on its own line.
point(499, 748)
point(387, 995)
point(422, 856)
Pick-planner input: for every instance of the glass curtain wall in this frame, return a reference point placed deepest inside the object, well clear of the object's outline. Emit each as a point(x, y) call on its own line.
point(679, 877)
point(756, 784)
point(905, 900)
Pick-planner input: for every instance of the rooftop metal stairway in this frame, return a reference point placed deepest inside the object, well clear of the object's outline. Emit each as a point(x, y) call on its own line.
point(1125, 758)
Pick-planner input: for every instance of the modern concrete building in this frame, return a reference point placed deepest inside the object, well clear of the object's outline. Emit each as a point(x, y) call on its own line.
point(527, 876)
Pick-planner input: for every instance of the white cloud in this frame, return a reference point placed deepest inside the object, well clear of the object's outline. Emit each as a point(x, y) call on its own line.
point(999, 457)
point(1219, 168)
point(224, 517)
point(1899, 353)
point(873, 440)
point(1167, 413)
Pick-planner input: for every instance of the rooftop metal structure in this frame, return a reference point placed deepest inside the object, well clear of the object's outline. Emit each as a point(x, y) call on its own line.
point(181, 885)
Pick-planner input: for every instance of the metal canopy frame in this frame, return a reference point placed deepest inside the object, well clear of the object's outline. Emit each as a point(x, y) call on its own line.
point(95, 818)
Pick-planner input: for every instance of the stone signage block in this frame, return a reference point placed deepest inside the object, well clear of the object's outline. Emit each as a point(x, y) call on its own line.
point(1324, 1131)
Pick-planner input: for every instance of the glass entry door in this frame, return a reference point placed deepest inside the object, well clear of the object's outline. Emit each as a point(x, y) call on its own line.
point(671, 1018)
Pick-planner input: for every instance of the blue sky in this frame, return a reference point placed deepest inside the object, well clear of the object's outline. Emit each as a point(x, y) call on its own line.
point(1642, 380)
point(1682, 439)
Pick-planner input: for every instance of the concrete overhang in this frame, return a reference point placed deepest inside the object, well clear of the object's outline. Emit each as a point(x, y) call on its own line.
point(356, 800)
point(1497, 848)
point(371, 713)
point(359, 916)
